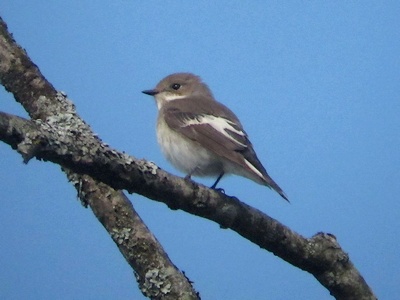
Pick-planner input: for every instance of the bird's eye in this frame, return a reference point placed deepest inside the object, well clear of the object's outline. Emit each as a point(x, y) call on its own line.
point(176, 86)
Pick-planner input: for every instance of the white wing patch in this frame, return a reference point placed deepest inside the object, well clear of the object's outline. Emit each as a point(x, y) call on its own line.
point(253, 168)
point(219, 124)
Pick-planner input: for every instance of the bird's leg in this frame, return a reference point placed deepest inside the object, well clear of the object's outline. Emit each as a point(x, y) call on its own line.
point(216, 182)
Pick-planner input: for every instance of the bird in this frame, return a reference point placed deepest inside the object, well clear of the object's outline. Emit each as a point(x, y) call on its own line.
point(202, 137)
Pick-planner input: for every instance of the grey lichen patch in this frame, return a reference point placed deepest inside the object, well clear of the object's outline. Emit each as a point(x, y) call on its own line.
point(331, 278)
point(64, 128)
point(66, 104)
point(166, 289)
point(27, 148)
point(74, 178)
point(66, 121)
point(325, 248)
point(62, 105)
point(310, 248)
point(155, 284)
point(77, 181)
point(343, 257)
point(120, 235)
point(147, 167)
point(128, 159)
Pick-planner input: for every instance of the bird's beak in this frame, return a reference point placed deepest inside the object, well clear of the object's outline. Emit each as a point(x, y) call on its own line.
point(150, 92)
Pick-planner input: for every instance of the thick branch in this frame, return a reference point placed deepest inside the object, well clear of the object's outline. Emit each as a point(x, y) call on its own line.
point(66, 140)
point(320, 255)
point(158, 278)
point(140, 248)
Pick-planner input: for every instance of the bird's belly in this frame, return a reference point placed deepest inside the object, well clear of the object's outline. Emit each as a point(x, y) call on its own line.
point(186, 155)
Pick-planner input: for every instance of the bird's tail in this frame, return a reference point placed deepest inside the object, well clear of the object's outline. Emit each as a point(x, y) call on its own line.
point(257, 171)
point(273, 185)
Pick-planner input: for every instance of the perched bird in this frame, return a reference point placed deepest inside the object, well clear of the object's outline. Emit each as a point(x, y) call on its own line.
point(201, 136)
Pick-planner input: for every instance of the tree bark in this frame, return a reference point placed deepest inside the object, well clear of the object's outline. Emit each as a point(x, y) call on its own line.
point(57, 134)
point(157, 276)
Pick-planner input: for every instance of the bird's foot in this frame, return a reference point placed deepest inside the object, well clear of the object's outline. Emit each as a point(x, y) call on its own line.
point(220, 190)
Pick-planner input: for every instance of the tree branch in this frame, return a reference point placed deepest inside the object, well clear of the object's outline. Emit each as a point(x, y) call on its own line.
point(161, 280)
point(320, 255)
point(157, 276)
point(65, 139)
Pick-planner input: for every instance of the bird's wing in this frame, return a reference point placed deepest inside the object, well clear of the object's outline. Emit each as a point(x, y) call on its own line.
point(220, 135)
point(223, 136)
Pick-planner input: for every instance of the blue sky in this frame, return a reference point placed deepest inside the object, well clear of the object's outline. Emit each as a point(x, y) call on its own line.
point(316, 85)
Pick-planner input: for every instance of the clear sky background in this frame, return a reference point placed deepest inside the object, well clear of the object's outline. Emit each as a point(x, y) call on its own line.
point(317, 87)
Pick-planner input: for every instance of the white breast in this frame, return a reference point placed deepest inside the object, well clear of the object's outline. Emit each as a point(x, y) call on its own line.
point(186, 155)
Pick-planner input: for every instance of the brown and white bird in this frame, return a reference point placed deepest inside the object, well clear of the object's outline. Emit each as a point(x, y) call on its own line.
point(201, 136)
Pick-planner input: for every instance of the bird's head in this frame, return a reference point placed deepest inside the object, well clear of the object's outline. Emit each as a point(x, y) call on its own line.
point(178, 86)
